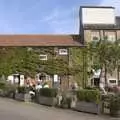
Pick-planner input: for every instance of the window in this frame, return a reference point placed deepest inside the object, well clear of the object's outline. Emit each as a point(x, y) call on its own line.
point(95, 35)
point(95, 38)
point(111, 37)
point(43, 57)
point(63, 51)
point(112, 81)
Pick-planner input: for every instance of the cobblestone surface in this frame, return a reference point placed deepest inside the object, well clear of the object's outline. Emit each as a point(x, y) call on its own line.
point(13, 110)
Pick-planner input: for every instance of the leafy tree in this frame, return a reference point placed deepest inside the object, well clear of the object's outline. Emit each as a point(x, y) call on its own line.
point(78, 62)
point(105, 55)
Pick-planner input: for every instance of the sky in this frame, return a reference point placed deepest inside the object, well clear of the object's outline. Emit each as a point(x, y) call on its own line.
point(45, 16)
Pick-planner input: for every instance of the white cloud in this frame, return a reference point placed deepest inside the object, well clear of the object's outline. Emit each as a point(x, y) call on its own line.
point(113, 3)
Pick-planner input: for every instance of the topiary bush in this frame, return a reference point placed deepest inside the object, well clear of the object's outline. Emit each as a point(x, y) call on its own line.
point(88, 95)
point(48, 92)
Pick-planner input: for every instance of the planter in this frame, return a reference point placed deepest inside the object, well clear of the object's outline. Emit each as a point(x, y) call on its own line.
point(114, 113)
point(23, 97)
point(50, 101)
point(88, 107)
point(115, 106)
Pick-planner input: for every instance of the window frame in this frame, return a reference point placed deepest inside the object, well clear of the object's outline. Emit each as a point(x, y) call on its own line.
point(63, 53)
point(43, 55)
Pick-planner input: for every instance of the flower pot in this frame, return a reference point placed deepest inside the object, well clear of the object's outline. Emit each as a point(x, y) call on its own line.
point(89, 107)
point(23, 97)
point(50, 101)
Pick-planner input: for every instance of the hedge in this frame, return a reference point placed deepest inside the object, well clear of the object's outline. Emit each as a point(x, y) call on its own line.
point(115, 105)
point(48, 92)
point(2, 85)
point(21, 89)
point(88, 95)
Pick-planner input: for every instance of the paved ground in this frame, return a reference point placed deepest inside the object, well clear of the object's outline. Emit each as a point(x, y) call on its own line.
point(13, 110)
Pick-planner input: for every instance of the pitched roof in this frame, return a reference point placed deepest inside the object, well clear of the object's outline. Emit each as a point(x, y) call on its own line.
point(40, 40)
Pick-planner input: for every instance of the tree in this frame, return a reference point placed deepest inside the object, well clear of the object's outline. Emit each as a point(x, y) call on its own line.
point(79, 63)
point(105, 55)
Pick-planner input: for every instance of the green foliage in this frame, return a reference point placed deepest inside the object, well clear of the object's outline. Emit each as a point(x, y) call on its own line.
point(21, 89)
point(76, 61)
point(91, 88)
point(48, 92)
point(10, 90)
point(115, 105)
point(88, 95)
point(27, 62)
point(2, 85)
point(55, 66)
point(18, 60)
point(105, 55)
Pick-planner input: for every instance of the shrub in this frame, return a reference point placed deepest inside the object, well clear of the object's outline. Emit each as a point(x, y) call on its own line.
point(10, 89)
point(48, 92)
point(2, 85)
point(91, 88)
point(115, 105)
point(88, 95)
point(21, 89)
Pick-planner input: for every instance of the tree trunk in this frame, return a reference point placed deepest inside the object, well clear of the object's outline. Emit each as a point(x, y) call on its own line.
point(106, 83)
point(118, 77)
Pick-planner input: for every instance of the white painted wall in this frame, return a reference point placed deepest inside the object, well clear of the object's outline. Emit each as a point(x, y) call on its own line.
point(98, 15)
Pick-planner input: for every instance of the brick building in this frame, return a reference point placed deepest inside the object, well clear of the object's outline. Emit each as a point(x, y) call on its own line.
point(59, 44)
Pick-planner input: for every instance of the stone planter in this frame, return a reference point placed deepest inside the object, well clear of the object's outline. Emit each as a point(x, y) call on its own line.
point(50, 101)
point(23, 97)
point(88, 107)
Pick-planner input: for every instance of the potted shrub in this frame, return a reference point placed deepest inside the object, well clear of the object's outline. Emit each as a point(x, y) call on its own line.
point(115, 106)
point(10, 90)
point(47, 96)
point(88, 101)
point(22, 95)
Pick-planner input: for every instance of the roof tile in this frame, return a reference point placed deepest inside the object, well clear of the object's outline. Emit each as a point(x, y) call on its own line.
point(40, 40)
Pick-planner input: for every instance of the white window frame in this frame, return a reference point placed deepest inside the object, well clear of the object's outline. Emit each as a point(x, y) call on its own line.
point(63, 53)
point(42, 55)
point(111, 38)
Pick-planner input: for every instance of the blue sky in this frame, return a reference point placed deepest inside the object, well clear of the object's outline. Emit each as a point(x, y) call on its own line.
point(44, 16)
